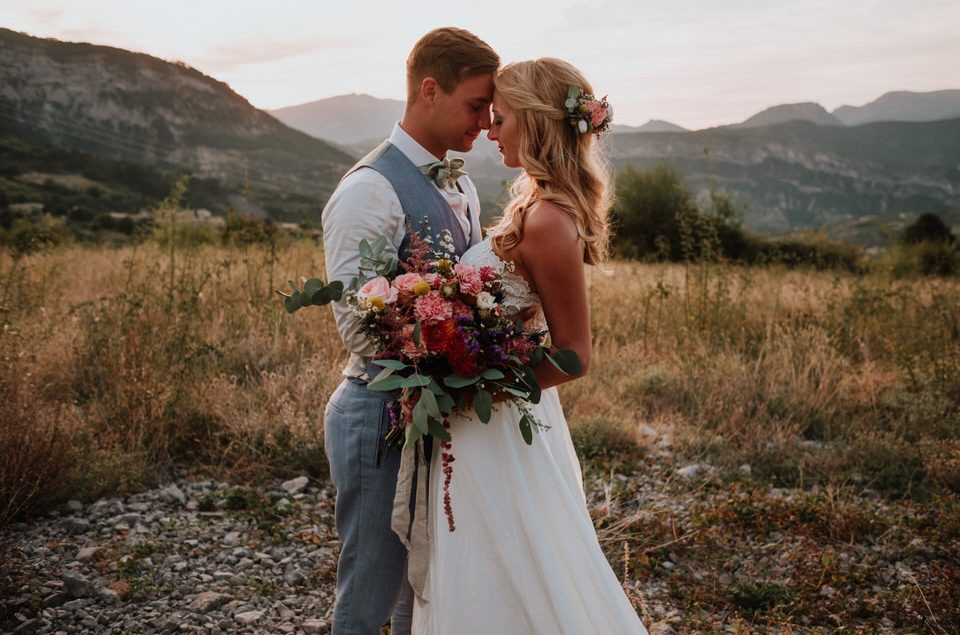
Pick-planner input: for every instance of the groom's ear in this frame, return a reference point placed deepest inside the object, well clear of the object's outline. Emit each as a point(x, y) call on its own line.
point(429, 90)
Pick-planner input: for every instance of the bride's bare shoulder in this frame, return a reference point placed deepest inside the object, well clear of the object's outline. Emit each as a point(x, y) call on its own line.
point(549, 223)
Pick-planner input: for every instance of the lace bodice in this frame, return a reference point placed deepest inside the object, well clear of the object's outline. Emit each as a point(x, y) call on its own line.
point(517, 295)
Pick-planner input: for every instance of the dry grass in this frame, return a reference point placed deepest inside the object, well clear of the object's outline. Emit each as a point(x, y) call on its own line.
point(150, 355)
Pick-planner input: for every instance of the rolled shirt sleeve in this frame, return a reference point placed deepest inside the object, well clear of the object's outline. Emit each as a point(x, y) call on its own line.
point(363, 207)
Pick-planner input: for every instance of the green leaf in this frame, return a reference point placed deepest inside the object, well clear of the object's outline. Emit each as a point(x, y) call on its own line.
point(420, 417)
point(379, 245)
point(383, 374)
point(445, 402)
point(364, 247)
point(492, 373)
point(483, 404)
point(567, 361)
point(389, 383)
point(456, 381)
point(415, 381)
point(416, 333)
point(413, 434)
point(292, 302)
point(429, 402)
point(437, 430)
point(526, 429)
point(395, 364)
point(517, 393)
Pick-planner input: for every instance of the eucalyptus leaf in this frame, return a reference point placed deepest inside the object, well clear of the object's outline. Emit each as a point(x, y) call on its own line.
point(567, 361)
point(383, 374)
point(415, 381)
point(492, 373)
point(429, 401)
point(364, 248)
point(420, 417)
point(395, 364)
point(456, 381)
point(413, 435)
point(437, 430)
point(389, 383)
point(483, 405)
point(526, 429)
point(445, 402)
point(416, 333)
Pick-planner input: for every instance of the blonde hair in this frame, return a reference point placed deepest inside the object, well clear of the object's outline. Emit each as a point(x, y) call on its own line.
point(449, 55)
point(560, 164)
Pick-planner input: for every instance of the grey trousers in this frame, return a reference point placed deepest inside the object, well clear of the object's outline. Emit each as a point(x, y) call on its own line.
point(371, 574)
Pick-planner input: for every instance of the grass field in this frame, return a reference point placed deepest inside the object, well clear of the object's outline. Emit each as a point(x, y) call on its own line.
point(820, 410)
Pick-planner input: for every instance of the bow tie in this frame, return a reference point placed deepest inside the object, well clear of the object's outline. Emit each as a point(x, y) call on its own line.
point(444, 173)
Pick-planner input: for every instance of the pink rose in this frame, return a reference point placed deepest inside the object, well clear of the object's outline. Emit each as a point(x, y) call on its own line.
point(471, 281)
point(432, 308)
point(488, 274)
point(377, 291)
point(405, 281)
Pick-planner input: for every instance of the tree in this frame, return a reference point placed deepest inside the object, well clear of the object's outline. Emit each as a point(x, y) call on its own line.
point(649, 204)
point(928, 228)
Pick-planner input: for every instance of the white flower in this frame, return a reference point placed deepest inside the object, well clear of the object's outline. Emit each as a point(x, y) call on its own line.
point(485, 300)
point(582, 125)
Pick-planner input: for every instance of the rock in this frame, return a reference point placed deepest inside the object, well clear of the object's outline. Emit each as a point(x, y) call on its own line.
point(87, 553)
point(231, 538)
point(315, 627)
point(77, 586)
point(295, 485)
point(827, 591)
point(108, 595)
point(283, 504)
point(55, 599)
point(661, 628)
point(208, 601)
point(30, 626)
point(693, 470)
point(74, 506)
point(171, 493)
point(745, 469)
point(77, 525)
point(248, 617)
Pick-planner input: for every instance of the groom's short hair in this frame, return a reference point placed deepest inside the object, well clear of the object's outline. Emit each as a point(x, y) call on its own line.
point(449, 55)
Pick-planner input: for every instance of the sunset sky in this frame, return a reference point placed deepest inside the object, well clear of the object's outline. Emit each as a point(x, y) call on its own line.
point(693, 62)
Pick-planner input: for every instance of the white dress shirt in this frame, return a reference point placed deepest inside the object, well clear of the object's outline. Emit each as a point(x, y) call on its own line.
point(365, 206)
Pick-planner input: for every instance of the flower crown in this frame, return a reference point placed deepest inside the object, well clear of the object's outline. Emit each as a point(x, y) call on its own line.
point(586, 113)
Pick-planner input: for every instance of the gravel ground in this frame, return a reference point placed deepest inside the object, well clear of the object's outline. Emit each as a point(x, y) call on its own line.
point(697, 554)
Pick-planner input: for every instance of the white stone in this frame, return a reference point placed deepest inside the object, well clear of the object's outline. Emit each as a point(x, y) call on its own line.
point(248, 617)
point(295, 485)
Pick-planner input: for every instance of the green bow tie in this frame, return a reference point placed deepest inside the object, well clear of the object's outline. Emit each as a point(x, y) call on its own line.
point(445, 172)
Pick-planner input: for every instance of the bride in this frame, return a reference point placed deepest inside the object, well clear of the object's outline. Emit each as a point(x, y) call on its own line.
point(524, 557)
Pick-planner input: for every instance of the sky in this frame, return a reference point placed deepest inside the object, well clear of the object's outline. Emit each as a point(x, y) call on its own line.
point(695, 63)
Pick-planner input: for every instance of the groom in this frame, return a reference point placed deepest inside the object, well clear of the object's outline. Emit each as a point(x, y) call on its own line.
point(449, 92)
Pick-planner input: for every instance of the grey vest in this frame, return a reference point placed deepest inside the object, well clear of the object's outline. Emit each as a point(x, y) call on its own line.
point(419, 198)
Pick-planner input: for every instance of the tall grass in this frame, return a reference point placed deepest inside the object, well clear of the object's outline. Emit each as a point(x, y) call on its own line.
point(116, 364)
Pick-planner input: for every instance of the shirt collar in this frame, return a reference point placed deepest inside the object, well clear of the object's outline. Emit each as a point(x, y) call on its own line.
point(406, 144)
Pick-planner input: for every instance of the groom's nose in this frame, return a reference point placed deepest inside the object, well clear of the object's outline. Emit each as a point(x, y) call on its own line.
point(485, 120)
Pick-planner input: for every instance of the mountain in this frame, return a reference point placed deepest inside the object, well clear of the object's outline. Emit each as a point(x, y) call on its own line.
point(123, 105)
point(346, 119)
point(654, 125)
point(801, 175)
point(807, 111)
point(904, 106)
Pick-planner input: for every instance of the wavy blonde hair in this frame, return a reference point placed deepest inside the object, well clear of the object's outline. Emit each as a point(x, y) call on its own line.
point(560, 164)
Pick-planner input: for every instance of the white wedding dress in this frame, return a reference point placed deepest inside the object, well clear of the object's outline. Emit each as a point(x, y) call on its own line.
point(524, 558)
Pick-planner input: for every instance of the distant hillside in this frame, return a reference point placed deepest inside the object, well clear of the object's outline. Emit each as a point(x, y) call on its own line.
point(904, 106)
point(123, 105)
point(345, 119)
point(798, 174)
point(654, 125)
point(807, 111)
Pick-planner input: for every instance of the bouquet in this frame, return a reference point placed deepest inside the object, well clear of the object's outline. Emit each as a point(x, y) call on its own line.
point(443, 340)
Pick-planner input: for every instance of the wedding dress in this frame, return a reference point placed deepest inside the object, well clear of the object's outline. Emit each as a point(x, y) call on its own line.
point(524, 557)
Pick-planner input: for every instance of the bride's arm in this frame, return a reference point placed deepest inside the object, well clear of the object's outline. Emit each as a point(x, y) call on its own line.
point(552, 254)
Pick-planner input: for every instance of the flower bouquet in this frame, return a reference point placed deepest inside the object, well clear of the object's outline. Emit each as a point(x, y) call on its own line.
point(443, 339)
